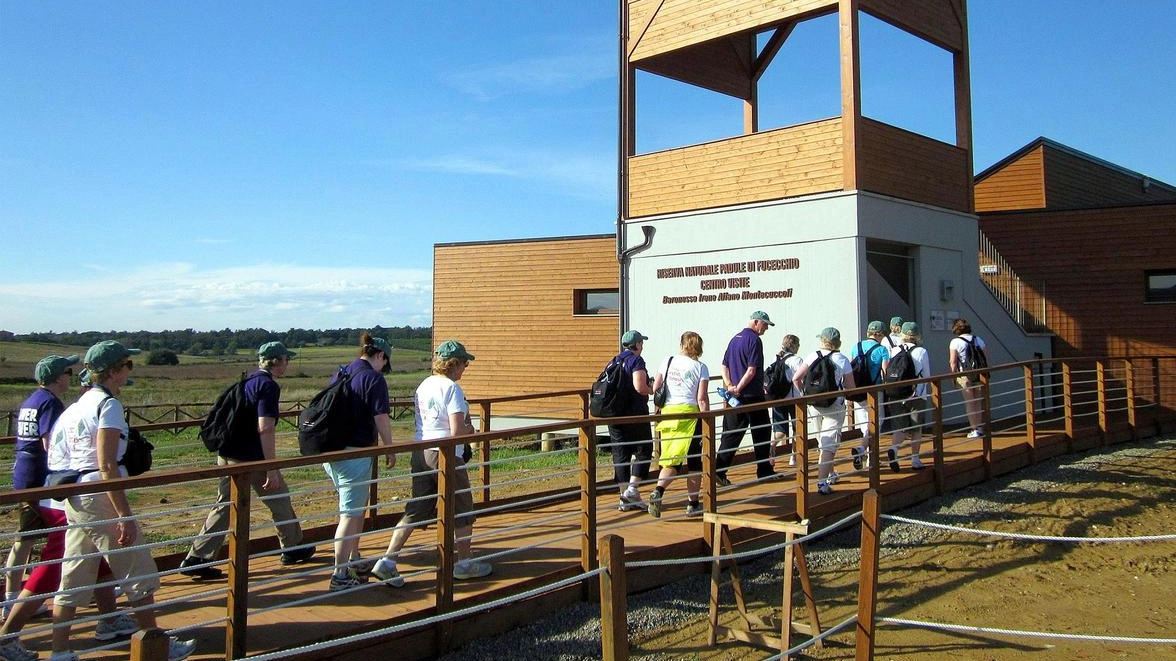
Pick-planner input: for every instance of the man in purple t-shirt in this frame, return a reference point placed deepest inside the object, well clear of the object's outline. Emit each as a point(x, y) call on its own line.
point(743, 375)
point(632, 444)
point(34, 424)
point(258, 444)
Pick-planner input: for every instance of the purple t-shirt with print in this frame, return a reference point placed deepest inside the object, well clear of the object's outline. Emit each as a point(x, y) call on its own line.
point(745, 349)
point(35, 419)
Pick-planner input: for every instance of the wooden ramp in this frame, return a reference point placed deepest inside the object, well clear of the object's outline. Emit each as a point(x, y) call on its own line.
point(279, 620)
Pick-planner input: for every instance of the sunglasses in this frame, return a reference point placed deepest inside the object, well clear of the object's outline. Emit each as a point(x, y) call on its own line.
point(130, 364)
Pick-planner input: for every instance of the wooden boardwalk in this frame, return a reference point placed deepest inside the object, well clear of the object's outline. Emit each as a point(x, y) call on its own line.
point(551, 552)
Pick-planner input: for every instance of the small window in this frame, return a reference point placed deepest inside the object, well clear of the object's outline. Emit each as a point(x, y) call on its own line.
point(1161, 286)
point(598, 301)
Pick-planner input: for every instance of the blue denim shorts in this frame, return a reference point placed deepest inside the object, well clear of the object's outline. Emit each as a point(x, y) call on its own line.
point(352, 478)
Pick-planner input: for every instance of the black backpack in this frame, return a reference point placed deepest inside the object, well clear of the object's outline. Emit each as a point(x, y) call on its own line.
point(231, 417)
point(325, 425)
point(901, 368)
point(974, 360)
point(606, 400)
point(137, 458)
point(862, 374)
point(777, 381)
point(822, 378)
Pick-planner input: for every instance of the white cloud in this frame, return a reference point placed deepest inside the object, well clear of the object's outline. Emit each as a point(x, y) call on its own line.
point(178, 295)
point(554, 73)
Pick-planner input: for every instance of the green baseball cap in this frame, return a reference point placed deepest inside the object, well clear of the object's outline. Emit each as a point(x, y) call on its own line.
point(50, 368)
point(632, 337)
point(895, 321)
point(875, 327)
point(274, 350)
point(762, 316)
point(106, 354)
point(910, 328)
point(830, 334)
point(453, 349)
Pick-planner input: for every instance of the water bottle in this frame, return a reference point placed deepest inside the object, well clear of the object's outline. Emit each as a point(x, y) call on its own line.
point(731, 400)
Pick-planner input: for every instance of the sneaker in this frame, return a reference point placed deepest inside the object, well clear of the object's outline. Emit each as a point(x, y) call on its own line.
point(467, 569)
point(857, 458)
point(178, 650)
point(892, 457)
point(62, 656)
point(14, 650)
point(722, 481)
point(297, 556)
point(113, 627)
point(917, 464)
point(385, 572)
point(363, 567)
point(655, 503)
point(693, 509)
point(976, 433)
point(629, 503)
point(823, 488)
point(833, 477)
point(190, 569)
point(346, 581)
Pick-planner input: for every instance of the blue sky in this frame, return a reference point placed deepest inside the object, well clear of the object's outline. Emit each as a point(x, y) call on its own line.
point(291, 164)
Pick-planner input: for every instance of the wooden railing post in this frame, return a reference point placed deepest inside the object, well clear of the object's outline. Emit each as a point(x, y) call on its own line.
point(867, 577)
point(237, 600)
point(937, 458)
point(150, 645)
point(986, 417)
point(710, 494)
point(1100, 384)
point(800, 447)
point(484, 447)
point(614, 594)
point(1157, 407)
point(446, 551)
point(1129, 378)
point(1030, 413)
point(874, 425)
point(369, 517)
point(587, 460)
point(1068, 404)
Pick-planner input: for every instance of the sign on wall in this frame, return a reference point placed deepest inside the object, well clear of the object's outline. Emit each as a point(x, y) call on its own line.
point(722, 282)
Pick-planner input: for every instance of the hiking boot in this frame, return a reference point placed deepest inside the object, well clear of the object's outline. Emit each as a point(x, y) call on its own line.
point(346, 581)
point(113, 627)
point(385, 572)
point(892, 457)
point(976, 433)
point(190, 568)
point(363, 567)
point(693, 509)
point(655, 503)
point(823, 488)
point(722, 481)
point(467, 569)
point(178, 650)
point(631, 500)
point(857, 458)
point(14, 650)
point(833, 477)
point(297, 556)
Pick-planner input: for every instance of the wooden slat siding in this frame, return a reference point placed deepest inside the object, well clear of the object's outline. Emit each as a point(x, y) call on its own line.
point(787, 162)
point(1092, 264)
point(1072, 182)
point(913, 167)
point(716, 66)
point(682, 23)
point(932, 20)
point(1019, 185)
point(511, 305)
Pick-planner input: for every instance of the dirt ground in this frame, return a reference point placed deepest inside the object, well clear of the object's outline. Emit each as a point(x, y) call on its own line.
point(1106, 589)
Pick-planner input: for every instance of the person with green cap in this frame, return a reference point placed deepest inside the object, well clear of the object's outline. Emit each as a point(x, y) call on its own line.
point(895, 337)
point(909, 414)
point(34, 423)
point(631, 444)
point(876, 357)
point(94, 438)
point(368, 398)
point(827, 421)
point(256, 443)
point(441, 412)
point(743, 377)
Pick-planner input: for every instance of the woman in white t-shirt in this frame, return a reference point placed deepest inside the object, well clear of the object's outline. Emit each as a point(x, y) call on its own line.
point(686, 382)
point(827, 420)
point(907, 415)
point(957, 354)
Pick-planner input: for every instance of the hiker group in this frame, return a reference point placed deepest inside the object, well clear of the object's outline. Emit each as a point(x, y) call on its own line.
point(93, 541)
point(681, 386)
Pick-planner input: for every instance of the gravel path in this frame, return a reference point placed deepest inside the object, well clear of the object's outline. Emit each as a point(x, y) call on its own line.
point(573, 634)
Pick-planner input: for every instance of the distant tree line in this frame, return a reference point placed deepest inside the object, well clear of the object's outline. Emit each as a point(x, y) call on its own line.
point(225, 342)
